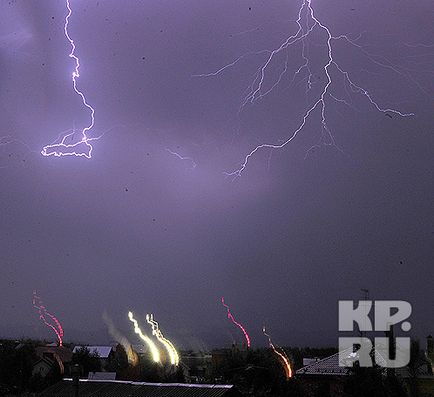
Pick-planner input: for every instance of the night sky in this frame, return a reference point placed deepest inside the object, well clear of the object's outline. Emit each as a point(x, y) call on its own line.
point(135, 227)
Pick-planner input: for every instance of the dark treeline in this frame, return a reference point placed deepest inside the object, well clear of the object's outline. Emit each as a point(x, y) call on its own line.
point(16, 365)
point(254, 372)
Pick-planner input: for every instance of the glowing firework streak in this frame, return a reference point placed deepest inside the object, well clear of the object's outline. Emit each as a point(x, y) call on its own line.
point(66, 146)
point(307, 23)
point(282, 356)
point(154, 351)
point(43, 314)
point(231, 317)
point(171, 350)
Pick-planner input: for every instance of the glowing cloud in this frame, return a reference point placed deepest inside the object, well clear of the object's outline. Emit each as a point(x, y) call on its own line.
point(153, 349)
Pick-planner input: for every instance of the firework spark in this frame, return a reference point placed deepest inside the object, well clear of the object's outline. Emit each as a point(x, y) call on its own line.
point(231, 317)
point(171, 350)
point(281, 356)
point(151, 345)
point(43, 314)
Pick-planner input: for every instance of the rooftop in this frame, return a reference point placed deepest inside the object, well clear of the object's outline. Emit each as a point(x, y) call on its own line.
point(87, 388)
point(103, 351)
point(327, 366)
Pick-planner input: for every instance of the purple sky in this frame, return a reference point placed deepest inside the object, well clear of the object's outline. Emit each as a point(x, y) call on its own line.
point(135, 227)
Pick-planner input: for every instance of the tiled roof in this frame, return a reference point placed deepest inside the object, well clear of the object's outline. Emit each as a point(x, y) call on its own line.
point(45, 360)
point(330, 365)
point(102, 375)
point(64, 354)
point(93, 388)
point(326, 366)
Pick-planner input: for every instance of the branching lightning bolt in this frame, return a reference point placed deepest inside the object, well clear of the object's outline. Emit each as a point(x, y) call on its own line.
point(153, 349)
point(42, 311)
point(171, 350)
point(307, 23)
point(231, 317)
point(66, 146)
point(282, 356)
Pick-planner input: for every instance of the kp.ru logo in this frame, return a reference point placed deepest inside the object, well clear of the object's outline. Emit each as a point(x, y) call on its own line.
point(387, 351)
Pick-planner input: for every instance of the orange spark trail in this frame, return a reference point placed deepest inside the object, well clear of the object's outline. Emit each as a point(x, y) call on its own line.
point(282, 356)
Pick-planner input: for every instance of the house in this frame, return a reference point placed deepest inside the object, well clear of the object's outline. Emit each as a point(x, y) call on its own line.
point(219, 356)
point(327, 377)
point(88, 388)
point(323, 376)
point(196, 366)
point(310, 360)
point(105, 353)
point(43, 367)
point(57, 354)
point(419, 374)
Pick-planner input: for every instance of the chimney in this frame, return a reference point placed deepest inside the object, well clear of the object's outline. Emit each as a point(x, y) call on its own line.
point(429, 345)
point(391, 340)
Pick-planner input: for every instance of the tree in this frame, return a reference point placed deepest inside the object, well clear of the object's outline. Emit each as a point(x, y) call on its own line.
point(16, 364)
point(119, 361)
point(373, 382)
point(256, 373)
point(173, 374)
point(88, 361)
point(417, 362)
point(149, 371)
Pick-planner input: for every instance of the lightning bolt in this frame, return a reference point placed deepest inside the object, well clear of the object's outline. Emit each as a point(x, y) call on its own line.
point(282, 356)
point(171, 350)
point(153, 349)
point(66, 146)
point(42, 311)
point(308, 23)
point(231, 317)
point(193, 163)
